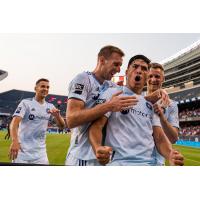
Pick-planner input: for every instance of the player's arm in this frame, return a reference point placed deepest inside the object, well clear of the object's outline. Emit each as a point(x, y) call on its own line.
point(170, 131)
point(77, 114)
point(95, 137)
point(164, 147)
point(160, 95)
point(15, 145)
point(58, 118)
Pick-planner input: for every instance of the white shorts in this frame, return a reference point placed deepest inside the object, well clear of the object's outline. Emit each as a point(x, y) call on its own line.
point(43, 160)
point(72, 161)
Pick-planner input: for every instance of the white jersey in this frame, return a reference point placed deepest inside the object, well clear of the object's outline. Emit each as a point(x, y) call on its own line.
point(129, 132)
point(171, 114)
point(32, 129)
point(86, 88)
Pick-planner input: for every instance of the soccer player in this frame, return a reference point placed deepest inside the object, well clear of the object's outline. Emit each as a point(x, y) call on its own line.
point(29, 125)
point(84, 91)
point(130, 134)
point(169, 115)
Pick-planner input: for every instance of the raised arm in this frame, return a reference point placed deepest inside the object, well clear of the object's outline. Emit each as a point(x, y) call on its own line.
point(170, 131)
point(77, 114)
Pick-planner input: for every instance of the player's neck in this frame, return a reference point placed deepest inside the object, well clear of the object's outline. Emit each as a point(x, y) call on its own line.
point(39, 99)
point(98, 76)
point(135, 90)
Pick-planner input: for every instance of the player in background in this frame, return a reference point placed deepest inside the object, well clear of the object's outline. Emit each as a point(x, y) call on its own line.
point(168, 115)
point(131, 135)
point(29, 125)
point(84, 91)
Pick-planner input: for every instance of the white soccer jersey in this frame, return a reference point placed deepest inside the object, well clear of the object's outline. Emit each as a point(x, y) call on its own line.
point(32, 129)
point(171, 114)
point(86, 88)
point(129, 132)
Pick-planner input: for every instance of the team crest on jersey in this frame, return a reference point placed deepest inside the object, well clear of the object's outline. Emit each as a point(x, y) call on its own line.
point(31, 117)
point(149, 106)
point(78, 88)
point(18, 110)
point(125, 112)
point(100, 101)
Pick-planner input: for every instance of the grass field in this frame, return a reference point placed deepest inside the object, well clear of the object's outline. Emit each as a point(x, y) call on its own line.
point(57, 146)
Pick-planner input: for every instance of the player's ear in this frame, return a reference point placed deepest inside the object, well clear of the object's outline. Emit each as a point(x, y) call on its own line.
point(35, 88)
point(102, 59)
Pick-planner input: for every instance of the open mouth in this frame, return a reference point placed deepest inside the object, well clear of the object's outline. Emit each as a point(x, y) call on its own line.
point(137, 78)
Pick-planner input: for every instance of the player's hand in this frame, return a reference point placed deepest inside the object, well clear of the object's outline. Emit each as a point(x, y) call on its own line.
point(158, 110)
point(176, 158)
point(161, 95)
point(119, 103)
point(103, 154)
point(55, 112)
point(14, 149)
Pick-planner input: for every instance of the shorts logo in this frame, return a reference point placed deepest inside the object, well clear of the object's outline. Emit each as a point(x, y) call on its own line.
point(125, 112)
point(100, 101)
point(149, 106)
point(18, 110)
point(78, 88)
point(31, 117)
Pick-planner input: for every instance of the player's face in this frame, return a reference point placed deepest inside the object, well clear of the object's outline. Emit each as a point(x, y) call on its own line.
point(111, 66)
point(137, 74)
point(155, 79)
point(42, 89)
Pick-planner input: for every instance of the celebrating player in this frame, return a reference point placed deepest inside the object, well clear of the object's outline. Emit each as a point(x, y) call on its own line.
point(169, 115)
point(84, 91)
point(29, 124)
point(131, 135)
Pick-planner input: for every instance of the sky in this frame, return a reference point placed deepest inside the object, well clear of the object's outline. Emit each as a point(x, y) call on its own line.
point(59, 57)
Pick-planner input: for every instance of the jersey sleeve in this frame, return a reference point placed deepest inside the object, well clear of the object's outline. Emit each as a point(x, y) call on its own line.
point(105, 97)
point(21, 109)
point(79, 87)
point(173, 115)
point(156, 120)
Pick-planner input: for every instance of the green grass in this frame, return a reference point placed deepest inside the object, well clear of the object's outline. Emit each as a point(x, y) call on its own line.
point(57, 146)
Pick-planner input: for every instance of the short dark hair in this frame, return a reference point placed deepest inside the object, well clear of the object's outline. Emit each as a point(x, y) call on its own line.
point(155, 66)
point(108, 50)
point(40, 80)
point(142, 57)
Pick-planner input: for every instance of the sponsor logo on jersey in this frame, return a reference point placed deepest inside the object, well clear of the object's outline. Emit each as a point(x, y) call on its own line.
point(149, 106)
point(100, 101)
point(18, 110)
point(136, 112)
point(124, 112)
point(78, 88)
point(31, 117)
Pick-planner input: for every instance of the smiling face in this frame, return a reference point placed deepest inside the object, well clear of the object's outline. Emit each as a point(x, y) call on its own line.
point(110, 66)
point(42, 89)
point(155, 79)
point(137, 75)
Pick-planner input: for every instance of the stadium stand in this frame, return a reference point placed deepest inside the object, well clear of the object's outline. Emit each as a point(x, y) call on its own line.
point(10, 99)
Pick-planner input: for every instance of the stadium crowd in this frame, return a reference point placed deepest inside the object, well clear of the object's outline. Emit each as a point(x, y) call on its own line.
point(189, 113)
point(190, 130)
